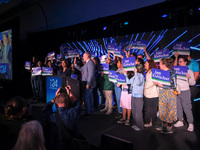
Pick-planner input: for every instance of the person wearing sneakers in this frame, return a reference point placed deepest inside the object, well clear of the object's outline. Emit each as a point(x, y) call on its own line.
point(125, 101)
point(108, 88)
point(150, 96)
point(137, 85)
point(183, 99)
point(167, 98)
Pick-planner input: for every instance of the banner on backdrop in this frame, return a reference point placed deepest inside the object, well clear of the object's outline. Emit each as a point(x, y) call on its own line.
point(183, 48)
point(47, 71)
point(36, 71)
point(139, 44)
point(27, 65)
point(129, 63)
point(181, 72)
point(104, 68)
point(121, 79)
point(161, 76)
point(160, 54)
point(112, 76)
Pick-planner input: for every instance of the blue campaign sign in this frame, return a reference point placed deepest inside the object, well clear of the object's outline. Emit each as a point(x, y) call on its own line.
point(129, 63)
point(118, 51)
point(47, 71)
point(112, 76)
point(183, 48)
point(58, 56)
point(181, 71)
point(27, 65)
point(161, 76)
point(104, 68)
point(160, 54)
point(121, 79)
point(51, 54)
point(111, 47)
point(52, 85)
point(4, 71)
point(74, 76)
point(93, 54)
point(125, 43)
point(139, 44)
point(36, 71)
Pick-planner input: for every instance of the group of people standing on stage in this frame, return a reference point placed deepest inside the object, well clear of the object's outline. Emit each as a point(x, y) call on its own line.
point(140, 95)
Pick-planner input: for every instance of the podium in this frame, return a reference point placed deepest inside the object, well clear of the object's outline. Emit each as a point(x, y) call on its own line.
point(54, 82)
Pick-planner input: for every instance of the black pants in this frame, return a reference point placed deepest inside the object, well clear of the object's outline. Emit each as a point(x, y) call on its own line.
point(150, 110)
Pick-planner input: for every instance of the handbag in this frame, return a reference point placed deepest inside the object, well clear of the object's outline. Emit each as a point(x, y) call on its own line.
point(79, 143)
point(177, 91)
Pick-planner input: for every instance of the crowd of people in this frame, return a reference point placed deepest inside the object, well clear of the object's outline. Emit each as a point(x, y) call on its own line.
point(140, 102)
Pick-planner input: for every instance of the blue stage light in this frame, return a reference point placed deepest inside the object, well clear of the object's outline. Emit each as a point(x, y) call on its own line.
point(197, 99)
point(164, 15)
point(104, 28)
point(199, 8)
point(126, 23)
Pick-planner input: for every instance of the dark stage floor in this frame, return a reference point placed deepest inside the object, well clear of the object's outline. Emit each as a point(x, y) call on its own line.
point(117, 134)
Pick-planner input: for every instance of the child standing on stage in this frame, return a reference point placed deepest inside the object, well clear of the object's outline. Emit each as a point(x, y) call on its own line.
point(125, 101)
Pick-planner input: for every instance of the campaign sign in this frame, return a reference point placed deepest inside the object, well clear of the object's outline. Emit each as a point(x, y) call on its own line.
point(58, 56)
point(181, 71)
point(183, 48)
point(27, 65)
point(160, 54)
point(111, 47)
point(125, 43)
point(112, 76)
point(46, 71)
point(4, 71)
point(36, 71)
point(121, 79)
point(118, 52)
point(104, 68)
point(161, 76)
point(51, 54)
point(74, 76)
point(52, 85)
point(139, 44)
point(72, 53)
point(129, 63)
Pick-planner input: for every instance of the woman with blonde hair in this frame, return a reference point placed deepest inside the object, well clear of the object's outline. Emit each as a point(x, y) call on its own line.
point(30, 137)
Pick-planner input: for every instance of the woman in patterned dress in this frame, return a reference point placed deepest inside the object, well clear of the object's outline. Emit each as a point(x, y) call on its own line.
point(167, 98)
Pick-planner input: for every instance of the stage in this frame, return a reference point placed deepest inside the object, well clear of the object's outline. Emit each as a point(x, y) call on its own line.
point(117, 135)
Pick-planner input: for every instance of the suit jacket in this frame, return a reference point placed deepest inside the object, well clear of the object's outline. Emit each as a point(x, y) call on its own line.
point(88, 73)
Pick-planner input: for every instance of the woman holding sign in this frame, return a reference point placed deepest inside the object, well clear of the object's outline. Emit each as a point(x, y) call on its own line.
point(167, 98)
point(137, 84)
point(183, 99)
point(150, 96)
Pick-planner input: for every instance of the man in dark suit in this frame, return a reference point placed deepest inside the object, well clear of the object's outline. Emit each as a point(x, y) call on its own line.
point(88, 81)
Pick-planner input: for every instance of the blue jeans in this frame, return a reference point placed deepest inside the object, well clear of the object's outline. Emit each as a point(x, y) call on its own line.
point(34, 86)
point(118, 96)
point(88, 100)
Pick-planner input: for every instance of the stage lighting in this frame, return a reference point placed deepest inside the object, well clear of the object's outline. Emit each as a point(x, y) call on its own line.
point(199, 8)
point(126, 23)
point(164, 15)
point(104, 28)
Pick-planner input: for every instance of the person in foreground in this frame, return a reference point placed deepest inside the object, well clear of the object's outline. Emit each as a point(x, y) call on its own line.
point(69, 109)
point(30, 137)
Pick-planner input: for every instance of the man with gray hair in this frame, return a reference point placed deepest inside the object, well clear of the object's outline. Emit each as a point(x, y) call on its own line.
point(88, 81)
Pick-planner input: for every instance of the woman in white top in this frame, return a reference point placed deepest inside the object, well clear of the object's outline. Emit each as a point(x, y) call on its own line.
point(183, 99)
point(150, 96)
